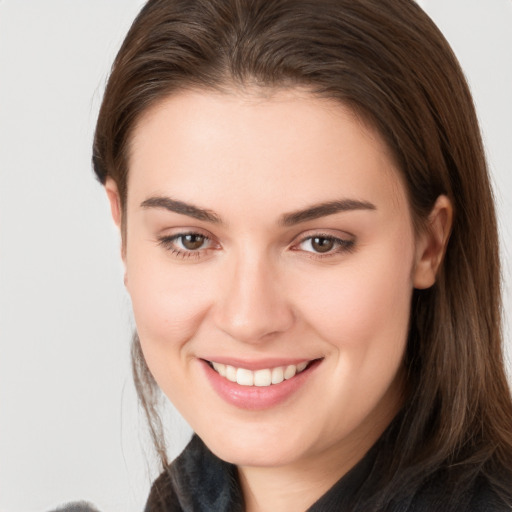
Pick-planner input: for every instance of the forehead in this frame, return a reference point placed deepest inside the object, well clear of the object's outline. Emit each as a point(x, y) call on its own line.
point(279, 146)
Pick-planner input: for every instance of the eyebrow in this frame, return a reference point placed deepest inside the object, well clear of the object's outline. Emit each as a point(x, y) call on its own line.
point(323, 210)
point(182, 208)
point(288, 219)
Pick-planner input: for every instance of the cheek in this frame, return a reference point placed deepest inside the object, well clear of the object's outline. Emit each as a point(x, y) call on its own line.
point(365, 300)
point(169, 301)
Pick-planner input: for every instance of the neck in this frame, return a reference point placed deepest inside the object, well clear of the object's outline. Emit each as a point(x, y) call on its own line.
point(298, 485)
point(282, 489)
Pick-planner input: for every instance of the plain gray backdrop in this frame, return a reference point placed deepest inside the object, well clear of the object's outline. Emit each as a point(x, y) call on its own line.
point(69, 424)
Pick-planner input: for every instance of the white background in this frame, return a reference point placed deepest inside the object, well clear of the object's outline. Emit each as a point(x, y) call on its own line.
point(69, 424)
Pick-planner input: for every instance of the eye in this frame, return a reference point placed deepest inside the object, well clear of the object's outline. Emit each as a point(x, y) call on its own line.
point(321, 244)
point(325, 245)
point(192, 242)
point(186, 245)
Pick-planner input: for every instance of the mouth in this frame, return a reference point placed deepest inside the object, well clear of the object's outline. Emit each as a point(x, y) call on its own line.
point(259, 385)
point(265, 377)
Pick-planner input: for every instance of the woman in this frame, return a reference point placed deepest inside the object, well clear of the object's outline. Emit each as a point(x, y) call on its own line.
point(310, 247)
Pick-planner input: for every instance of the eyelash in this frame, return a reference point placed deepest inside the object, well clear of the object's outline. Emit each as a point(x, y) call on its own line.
point(169, 244)
point(341, 245)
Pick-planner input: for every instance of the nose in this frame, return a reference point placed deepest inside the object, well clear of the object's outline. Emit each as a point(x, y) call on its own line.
point(252, 306)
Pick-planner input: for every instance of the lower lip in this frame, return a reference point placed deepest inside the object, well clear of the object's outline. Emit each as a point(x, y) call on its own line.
point(255, 397)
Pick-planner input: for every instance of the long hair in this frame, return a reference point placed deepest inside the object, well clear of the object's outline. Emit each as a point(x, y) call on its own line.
point(387, 61)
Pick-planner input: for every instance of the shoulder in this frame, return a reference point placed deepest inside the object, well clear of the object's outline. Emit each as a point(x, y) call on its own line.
point(474, 495)
point(487, 498)
point(162, 497)
point(196, 481)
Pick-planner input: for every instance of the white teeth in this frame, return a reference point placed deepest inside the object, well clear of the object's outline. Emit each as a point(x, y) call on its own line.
point(277, 375)
point(220, 368)
point(290, 371)
point(301, 366)
point(244, 377)
point(261, 378)
point(231, 373)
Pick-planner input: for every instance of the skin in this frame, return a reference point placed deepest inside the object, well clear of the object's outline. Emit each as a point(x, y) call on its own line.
point(258, 288)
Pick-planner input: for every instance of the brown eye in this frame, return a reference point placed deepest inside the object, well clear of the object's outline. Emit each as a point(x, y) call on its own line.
point(185, 245)
point(192, 242)
point(325, 245)
point(322, 244)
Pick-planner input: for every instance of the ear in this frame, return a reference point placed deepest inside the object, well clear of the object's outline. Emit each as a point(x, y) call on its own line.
point(114, 200)
point(115, 208)
point(431, 243)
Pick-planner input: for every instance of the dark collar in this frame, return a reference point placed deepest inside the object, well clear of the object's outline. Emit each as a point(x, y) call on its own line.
point(198, 481)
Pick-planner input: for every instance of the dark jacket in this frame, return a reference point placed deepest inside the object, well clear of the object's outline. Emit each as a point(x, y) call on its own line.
point(198, 481)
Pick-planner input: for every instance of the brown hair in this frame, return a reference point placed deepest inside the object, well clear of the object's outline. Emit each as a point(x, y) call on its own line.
point(389, 62)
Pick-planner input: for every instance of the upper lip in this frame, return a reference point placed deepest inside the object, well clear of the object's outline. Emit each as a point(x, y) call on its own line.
point(258, 364)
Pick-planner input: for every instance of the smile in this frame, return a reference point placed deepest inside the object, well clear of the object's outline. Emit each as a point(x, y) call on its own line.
point(260, 378)
point(266, 385)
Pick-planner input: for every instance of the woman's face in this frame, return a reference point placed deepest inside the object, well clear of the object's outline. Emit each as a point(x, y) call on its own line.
point(269, 235)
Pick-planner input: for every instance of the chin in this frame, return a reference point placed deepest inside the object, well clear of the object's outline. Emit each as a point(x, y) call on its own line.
point(253, 447)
